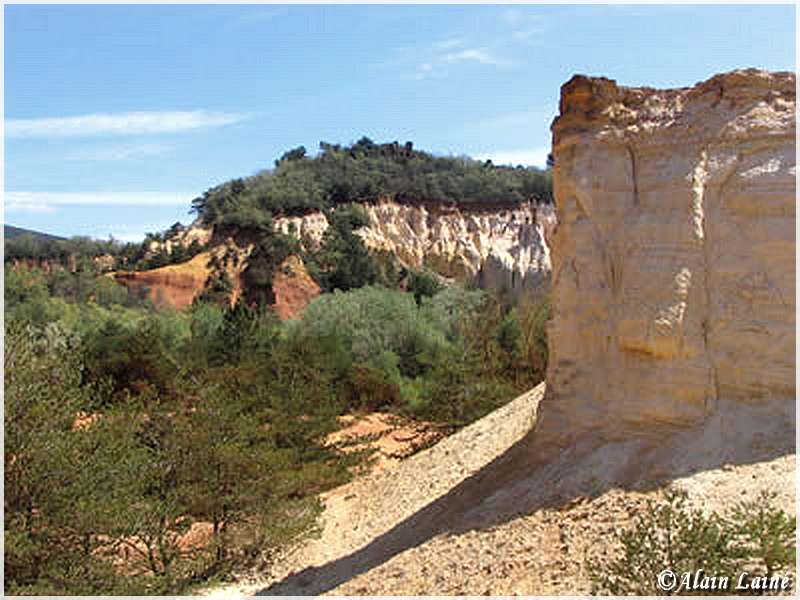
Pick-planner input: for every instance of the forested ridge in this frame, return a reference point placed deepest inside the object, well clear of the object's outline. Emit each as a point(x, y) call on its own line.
point(365, 172)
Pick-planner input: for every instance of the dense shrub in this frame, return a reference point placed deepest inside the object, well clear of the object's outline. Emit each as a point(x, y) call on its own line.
point(451, 359)
point(369, 321)
point(224, 449)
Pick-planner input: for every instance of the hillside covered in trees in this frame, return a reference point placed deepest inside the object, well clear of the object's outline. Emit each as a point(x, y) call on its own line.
point(365, 172)
point(130, 430)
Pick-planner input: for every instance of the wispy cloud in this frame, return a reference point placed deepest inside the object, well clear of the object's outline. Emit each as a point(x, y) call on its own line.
point(117, 152)
point(132, 123)
point(51, 201)
point(437, 65)
point(527, 34)
point(478, 55)
point(536, 157)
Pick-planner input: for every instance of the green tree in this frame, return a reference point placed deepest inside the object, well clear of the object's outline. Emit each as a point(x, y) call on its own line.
point(343, 261)
point(58, 499)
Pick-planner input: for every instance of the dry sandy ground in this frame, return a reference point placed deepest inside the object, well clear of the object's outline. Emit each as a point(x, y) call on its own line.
point(479, 513)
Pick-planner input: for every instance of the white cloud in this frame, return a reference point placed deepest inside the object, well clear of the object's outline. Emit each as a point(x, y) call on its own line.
point(479, 55)
point(50, 201)
point(438, 65)
point(30, 206)
point(536, 157)
point(118, 152)
point(132, 123)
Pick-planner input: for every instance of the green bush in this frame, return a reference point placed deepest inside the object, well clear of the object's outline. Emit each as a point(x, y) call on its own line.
point(369, 388)
point(369, 321)
point(342, 262)
point(230, 448)
point(423, 284)
point(754, 537)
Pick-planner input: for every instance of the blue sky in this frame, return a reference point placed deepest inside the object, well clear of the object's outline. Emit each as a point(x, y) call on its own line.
point(117, 116)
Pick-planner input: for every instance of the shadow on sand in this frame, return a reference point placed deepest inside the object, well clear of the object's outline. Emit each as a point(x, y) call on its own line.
point(529, 477)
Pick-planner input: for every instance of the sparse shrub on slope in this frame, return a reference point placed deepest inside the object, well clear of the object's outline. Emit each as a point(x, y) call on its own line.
point(753, 538)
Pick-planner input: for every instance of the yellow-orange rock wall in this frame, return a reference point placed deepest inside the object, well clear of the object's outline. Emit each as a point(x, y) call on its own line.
point(674, 255)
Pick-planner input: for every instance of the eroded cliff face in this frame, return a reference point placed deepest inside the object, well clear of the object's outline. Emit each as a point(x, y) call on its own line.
point(177, 286)
point(674, 255)
point(498, 248)
point(173, 286)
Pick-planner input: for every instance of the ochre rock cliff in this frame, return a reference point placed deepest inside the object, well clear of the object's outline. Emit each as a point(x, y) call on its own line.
point(674, 255)
point(173, 286)
point(496, 247)
point(293, 288)
point(177, 286)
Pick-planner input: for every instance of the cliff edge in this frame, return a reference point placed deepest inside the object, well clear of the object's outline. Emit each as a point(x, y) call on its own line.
point(674, 257)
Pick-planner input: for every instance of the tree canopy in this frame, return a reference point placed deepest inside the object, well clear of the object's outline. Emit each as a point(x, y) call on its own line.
point(365, 172)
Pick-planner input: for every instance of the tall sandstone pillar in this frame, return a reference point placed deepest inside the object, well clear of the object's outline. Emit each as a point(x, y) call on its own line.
point(674, 257)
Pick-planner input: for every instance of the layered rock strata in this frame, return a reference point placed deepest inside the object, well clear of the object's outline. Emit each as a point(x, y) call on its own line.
point(673, 286)
point(502, 248)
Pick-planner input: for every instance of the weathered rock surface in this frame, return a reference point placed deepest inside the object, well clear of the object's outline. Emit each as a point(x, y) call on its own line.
point(177, 286)
point(674, 255)
point(499, 248)
point(293, 288)
point(173, 286)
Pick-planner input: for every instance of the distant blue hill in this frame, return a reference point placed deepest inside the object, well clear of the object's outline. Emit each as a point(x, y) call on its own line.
point(12, 232)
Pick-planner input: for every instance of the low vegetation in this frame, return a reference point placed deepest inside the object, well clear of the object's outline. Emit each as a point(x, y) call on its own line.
point(754, 538)
point(131, 432)
point(87, 254)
